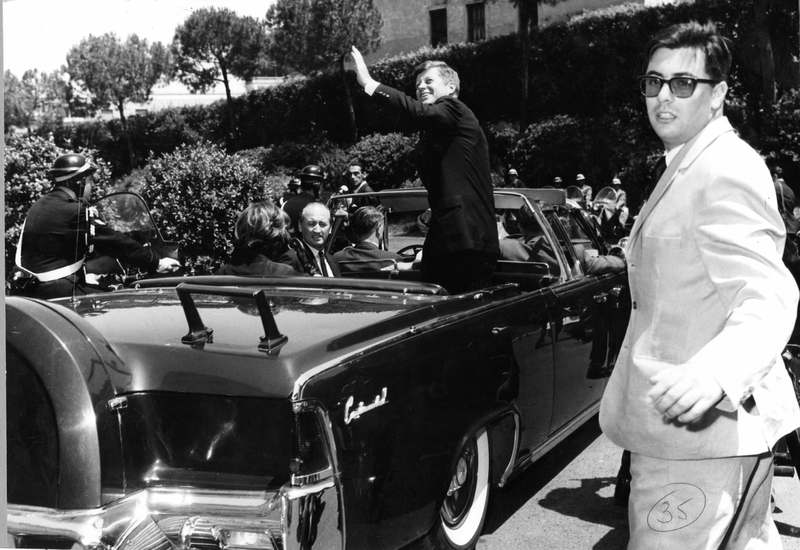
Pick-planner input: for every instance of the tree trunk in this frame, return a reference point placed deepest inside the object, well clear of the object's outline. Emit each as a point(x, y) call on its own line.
point(229, 103)
point(528, 17)
point(766, 58)
point(128, 142)
point(351, 112)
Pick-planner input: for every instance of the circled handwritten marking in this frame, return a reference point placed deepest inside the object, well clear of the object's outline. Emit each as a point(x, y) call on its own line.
point(681, 506)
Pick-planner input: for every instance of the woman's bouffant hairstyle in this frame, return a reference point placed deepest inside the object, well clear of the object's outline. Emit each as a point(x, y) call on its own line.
point(261, 225)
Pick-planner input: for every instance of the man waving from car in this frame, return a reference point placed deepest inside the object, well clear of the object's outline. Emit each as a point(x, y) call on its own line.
point(461, 246)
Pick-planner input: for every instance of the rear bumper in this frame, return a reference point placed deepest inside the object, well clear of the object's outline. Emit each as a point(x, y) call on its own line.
point(183, 518)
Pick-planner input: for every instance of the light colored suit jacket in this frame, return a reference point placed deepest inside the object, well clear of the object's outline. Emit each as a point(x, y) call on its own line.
point(710, 291)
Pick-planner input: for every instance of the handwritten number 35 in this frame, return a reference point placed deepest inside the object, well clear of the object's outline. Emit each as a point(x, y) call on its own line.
point(667, 516)
point(682, 504)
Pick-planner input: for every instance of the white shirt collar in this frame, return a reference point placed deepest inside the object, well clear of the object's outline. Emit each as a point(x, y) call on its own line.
point(669, 155)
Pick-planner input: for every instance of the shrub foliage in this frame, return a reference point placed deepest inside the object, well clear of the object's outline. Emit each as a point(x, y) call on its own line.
point(195, 194)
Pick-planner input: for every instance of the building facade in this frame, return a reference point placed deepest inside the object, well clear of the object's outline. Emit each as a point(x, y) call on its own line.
point(410, 24)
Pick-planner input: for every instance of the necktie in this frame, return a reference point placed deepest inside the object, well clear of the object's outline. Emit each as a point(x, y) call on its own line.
point(661, 165)
point(323, 266)
point(658, 169)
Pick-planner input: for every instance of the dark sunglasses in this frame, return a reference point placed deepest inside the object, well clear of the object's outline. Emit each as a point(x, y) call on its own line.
point(680, 86)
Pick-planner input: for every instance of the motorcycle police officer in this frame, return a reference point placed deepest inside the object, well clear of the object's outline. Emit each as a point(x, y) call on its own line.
point(311, 178)
point(59, 232)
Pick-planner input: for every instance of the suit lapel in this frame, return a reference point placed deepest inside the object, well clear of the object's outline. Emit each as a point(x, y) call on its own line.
point(685, 157)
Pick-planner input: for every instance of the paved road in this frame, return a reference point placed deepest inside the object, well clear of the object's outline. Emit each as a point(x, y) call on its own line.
point(565, 502)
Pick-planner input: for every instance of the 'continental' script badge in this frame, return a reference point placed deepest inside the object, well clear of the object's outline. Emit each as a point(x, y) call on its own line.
point(351, 414)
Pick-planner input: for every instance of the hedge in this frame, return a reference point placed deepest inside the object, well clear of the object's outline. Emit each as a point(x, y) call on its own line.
point(583, 69)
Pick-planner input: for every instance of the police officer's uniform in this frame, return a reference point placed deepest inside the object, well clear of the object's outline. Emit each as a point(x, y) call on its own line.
point(57, 235)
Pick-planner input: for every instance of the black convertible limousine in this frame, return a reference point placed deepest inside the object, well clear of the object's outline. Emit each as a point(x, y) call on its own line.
point(297, 413)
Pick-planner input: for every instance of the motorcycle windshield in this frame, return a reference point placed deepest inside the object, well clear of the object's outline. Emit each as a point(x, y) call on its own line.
point(128, 213)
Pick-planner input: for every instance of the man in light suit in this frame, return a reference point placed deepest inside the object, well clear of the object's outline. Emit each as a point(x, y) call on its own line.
point(461, 246)
point(699, 393)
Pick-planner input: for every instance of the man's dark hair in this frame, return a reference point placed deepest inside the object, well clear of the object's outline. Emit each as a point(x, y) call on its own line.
point(448, 74)
point(365, 221)
point(705, 38)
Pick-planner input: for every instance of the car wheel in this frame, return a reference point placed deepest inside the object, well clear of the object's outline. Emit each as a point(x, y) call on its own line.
point(463, 509)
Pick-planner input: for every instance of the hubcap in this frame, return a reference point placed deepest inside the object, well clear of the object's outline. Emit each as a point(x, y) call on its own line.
point(462, 487)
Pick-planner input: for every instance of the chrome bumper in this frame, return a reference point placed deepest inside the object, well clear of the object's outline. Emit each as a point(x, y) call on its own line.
point(183, 519)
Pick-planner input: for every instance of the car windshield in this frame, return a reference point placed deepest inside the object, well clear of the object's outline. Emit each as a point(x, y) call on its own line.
point(127, 213)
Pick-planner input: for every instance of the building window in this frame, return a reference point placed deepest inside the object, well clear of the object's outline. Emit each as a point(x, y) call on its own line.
point(438, 27)
point(476, 22)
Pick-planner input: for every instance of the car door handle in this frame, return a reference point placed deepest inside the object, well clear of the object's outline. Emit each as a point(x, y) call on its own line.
point(600, 297)
point(497, 331)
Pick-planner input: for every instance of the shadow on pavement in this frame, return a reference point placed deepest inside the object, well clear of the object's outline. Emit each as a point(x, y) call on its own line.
point(583, 502)
point(586, 504)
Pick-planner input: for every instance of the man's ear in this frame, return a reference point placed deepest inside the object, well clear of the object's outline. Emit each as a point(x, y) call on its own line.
point(718, 95)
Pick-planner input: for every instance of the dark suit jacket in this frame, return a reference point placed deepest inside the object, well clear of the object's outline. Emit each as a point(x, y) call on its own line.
point(364, 251)
point(454, 168)
point(302, 258)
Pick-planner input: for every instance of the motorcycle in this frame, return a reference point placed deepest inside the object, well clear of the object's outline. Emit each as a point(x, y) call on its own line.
point(126, 213)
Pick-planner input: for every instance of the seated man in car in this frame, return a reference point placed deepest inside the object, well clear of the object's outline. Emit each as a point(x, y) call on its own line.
point(530, 246)
point(366, 226)
point(310, 256)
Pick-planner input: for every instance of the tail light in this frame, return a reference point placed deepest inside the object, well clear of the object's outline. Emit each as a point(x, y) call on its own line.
point(312, 461)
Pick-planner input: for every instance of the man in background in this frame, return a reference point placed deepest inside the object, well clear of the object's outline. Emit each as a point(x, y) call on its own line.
point(357, 178)
point(512, 178)
point(586, 189)
point(311, 178)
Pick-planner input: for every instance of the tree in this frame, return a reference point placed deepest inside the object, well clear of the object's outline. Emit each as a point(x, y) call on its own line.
point(38, 97)
point(213, 44)
point(115, 72)
point(773, 59)
point(15, 103)
point(311, 35)
point(528, 14)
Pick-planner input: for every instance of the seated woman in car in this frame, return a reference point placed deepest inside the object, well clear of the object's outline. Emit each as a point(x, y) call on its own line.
point(260, 243)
